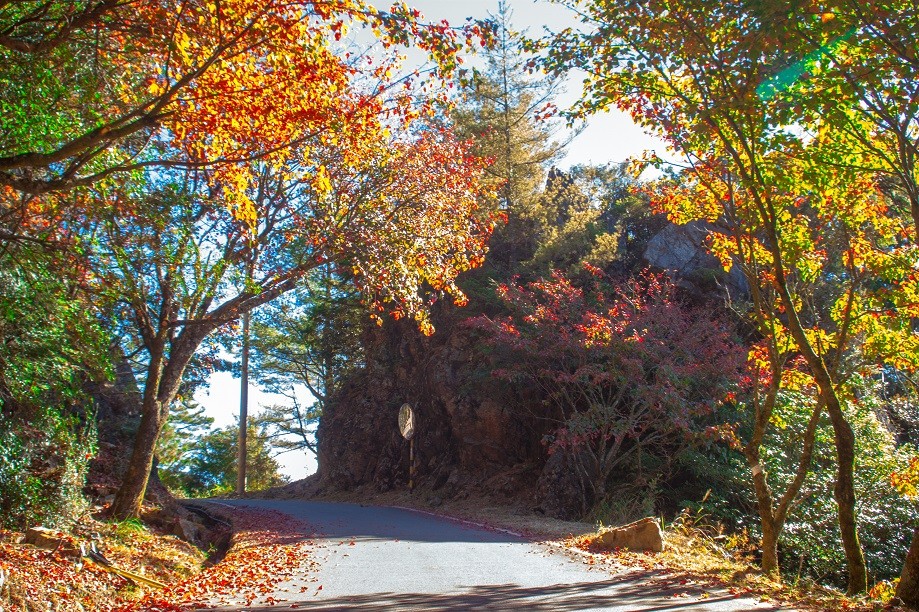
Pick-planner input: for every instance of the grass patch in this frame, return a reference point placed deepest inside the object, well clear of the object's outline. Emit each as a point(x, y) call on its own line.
point(129, 527)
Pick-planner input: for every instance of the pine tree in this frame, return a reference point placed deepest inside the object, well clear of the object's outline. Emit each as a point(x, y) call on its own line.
point(509, 113)
point(312, 340)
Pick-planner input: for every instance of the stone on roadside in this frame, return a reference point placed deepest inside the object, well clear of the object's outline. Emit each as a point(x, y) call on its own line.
point(49, 539)
point(187, 530)
point(643, 535)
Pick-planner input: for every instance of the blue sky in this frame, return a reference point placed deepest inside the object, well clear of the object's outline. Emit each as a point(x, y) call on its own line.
point(609, 137)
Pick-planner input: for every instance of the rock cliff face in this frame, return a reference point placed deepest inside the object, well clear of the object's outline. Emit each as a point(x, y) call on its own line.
point(473, 434)
point(470, 437)
point(681, 250)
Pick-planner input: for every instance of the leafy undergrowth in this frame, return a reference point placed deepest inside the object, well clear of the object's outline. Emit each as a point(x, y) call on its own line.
point(267, 548)
point(37, 579)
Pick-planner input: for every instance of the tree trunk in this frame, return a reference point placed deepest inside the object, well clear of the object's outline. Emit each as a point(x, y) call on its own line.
point(770, 545)
point(160, 389)
point(131, 494)
point(908, 589)
point(843, 436)
point(773, 516)
point(764, 503)
point(844, 492)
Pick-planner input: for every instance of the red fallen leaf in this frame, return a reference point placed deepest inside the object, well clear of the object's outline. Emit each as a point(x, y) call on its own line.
point(319, 588)
point(351, 543)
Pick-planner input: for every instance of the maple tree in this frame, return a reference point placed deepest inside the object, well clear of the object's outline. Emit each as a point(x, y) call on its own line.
point(770, 374)
point(147, 117)
point(631, 375)
point(694, 75)
point(95, 87)
point(852, 66)
point(403, 224)
point(857, 89)
point(821, 241)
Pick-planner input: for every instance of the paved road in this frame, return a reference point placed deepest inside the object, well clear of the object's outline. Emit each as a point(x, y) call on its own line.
point(404, 560)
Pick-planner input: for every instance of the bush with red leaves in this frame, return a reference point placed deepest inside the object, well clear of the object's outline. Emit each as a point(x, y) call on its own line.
point(630, 374)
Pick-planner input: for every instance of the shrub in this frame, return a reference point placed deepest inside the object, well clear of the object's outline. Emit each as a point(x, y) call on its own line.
point(51, 345)
point(43, 466)
point(630, 374)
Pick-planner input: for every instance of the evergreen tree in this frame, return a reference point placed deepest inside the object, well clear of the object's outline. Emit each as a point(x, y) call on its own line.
point(309, 339)
point(179, 441)
point(211, 467)
point(509, 113)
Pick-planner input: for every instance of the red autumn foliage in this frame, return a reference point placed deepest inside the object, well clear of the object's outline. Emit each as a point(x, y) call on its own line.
point(627, 370)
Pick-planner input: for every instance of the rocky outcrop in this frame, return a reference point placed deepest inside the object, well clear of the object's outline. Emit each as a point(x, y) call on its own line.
point(474, 435)
point(643, 535)
point(681, 250)
point(470, 436)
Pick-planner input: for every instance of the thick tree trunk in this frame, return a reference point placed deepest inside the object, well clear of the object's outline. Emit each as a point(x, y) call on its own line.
point(908, 589)
point(770, 545)
point(162, 385)
point(134, 485)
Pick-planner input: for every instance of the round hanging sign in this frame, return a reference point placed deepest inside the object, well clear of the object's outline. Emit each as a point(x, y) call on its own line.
point(407, 421)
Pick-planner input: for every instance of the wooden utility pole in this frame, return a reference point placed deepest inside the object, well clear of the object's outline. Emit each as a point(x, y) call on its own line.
point(243, 411)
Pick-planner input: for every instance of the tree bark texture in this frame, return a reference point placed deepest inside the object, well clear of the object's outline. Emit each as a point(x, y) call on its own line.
point(908, 589)
point(128, 500)
point(164, 375)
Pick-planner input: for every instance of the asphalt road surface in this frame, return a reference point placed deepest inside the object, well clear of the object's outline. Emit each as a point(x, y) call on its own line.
point(406, 560)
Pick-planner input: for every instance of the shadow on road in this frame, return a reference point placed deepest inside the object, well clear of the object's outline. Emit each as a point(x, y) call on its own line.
point(331, 521)
point(508, 577)
point(624, 593)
